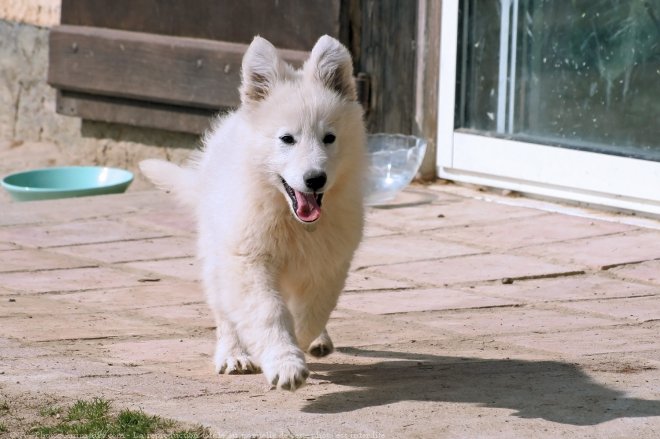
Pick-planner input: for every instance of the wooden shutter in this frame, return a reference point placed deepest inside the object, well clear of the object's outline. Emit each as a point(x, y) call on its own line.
point(171, 64)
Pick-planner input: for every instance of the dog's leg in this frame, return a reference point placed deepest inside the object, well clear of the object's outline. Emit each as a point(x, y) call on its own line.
point(312, 314)
point(230, 357)
point(311, 333)
point(263, 322)
point(322, 346)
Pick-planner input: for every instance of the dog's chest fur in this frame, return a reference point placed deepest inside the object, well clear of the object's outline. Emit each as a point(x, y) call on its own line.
point(305, 260)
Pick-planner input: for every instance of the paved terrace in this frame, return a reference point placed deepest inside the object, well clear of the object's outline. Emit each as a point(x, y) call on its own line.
point(473, 316)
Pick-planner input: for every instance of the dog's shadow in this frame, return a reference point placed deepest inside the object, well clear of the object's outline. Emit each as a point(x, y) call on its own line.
point(550, 390)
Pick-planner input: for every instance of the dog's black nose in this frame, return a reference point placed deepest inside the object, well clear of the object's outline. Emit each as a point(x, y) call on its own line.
point(315, 180)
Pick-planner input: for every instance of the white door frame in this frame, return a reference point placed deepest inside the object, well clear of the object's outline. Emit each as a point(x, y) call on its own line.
point(593, 178)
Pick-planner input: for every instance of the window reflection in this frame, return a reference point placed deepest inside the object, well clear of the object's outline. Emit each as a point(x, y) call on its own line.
point(583, 74)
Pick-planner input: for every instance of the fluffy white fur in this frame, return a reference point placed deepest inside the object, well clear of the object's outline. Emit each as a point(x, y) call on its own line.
point(271, 278)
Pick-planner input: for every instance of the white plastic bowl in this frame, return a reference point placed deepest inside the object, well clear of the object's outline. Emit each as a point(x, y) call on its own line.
point(394, 159)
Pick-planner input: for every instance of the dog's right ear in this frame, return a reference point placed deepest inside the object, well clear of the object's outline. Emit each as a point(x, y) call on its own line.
point(260, 70)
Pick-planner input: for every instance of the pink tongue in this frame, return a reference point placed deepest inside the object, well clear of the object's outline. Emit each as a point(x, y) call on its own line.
point(308, 209)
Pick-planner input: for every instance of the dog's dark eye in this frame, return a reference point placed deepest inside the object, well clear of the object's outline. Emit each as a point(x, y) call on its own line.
point(329, 138)
point(288, 139)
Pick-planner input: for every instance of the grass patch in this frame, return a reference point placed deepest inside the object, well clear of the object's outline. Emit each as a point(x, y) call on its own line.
point(196, 433)
point(50, 410)
point(93, 419)
point(4, 408)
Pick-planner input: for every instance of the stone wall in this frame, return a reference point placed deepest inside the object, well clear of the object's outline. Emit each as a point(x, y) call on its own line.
point(32, 134)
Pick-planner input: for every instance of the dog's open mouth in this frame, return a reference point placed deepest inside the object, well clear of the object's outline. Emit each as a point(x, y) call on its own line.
point(306, 206)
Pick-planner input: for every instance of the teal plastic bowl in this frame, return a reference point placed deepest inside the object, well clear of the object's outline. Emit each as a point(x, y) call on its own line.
point(66, 182)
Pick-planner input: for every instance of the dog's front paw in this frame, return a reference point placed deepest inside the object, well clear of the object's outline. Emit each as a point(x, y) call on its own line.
point(322, 346)
point(237, 364)
point(290, 373)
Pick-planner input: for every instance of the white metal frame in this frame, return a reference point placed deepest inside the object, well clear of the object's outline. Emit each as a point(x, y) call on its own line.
point(588, 177)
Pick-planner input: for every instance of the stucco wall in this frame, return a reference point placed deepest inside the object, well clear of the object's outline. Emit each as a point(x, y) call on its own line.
point(43, 13)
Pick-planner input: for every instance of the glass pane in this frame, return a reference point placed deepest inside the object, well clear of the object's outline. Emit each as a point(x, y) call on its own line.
point(582, 74)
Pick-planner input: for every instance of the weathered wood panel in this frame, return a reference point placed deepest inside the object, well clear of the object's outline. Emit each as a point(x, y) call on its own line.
point(139, 50)
point(291, 24)
point(427, 84)
point(155, 68)
point(381, 35)
point(135, 113)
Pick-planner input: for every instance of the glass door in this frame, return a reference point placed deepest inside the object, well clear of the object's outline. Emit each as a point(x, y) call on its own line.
point(560, 98)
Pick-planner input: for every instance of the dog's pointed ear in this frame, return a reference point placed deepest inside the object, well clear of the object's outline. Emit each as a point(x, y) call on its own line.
point(330, 63)
point(260, 70)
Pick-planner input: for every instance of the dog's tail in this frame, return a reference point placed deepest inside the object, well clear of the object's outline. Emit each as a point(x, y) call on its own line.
point(182, 182)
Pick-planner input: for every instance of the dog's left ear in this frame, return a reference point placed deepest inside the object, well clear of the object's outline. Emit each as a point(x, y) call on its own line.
point(330, 63)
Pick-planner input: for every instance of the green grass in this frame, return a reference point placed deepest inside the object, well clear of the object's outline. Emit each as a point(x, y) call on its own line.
point(197, 433)
point(94, 419)
point(4, 407)
point(50, 410)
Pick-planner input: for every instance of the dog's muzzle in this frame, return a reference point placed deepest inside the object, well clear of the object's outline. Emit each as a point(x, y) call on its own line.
point(306, 206)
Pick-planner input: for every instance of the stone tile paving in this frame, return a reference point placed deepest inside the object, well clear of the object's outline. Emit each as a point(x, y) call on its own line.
point(26, 259)
point(474, 268)
point(72, 279)
point(180, 268)
point(585, 287)
point(603, 252)
point(135, 250)
point(539, 231)
point(466, 314)
point(646, 272)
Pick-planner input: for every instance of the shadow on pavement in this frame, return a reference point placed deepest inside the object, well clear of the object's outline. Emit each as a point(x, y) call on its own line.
point(550, 390)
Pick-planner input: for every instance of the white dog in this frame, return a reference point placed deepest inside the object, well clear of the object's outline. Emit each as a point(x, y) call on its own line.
point(274, 260)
